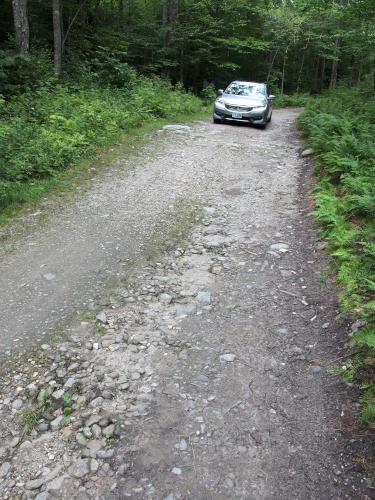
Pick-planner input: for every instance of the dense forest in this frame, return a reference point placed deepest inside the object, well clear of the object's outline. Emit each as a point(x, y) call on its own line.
point(75, 75)
point(301, 45)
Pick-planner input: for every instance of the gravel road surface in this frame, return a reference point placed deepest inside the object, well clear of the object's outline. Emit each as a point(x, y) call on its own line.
point(213, 365)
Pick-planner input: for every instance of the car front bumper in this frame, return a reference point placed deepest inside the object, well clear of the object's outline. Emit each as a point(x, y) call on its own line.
point(256, 116)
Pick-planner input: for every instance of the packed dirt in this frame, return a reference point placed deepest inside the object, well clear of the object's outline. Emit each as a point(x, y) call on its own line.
point(177, 332)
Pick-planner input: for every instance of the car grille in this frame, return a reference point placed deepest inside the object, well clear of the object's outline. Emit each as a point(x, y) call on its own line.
point(241, 109)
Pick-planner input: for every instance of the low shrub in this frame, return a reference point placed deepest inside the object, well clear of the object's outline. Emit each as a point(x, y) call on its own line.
point(293, 100)
point(24, 72)
point(340, 127)
point(43, 132)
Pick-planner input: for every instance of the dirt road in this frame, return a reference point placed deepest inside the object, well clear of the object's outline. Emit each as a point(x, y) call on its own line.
point(213, 362)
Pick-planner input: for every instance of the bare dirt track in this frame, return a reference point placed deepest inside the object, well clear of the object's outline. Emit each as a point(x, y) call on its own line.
point(224, 339)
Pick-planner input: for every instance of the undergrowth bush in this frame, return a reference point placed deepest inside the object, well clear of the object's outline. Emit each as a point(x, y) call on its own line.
point(340, 127)
point(293, 100)
point(23, 72)
point(43, 132)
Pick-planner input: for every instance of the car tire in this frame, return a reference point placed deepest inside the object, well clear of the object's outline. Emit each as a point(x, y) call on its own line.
point(270, 118)
point(217, 120)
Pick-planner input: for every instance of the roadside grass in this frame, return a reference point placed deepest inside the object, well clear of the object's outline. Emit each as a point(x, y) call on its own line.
point(53, 140)
point(340, 127)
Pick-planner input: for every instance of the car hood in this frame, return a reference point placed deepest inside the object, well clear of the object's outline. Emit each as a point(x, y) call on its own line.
point(240, 100)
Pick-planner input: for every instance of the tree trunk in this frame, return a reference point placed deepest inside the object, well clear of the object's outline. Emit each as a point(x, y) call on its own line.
point(322, 74)
point(81, 7)
point(302, 65)
point(182, 56)
point(173, 20)
point(21, 25)
point(271, 65)
point(335, 65)
point(166, 24)
point(283, 74)
point(57, 36)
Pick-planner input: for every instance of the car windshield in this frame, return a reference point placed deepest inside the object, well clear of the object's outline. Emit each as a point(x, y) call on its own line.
point(245, 89)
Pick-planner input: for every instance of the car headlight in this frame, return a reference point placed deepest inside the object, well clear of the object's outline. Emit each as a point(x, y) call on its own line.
point(220, 101)
point(259, 107)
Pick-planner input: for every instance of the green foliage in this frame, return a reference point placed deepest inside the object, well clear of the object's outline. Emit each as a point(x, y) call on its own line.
point(340, 128)
point(368, 412)
point(20, 72)
point(30, 420)
point(209, 93)
point(109, 68)
point(44, 132)
point(293, 100)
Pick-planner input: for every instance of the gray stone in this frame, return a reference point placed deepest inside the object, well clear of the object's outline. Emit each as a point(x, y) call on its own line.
point(108, 340)
point(105, 454)
point(87, 432)
point(182, 445)
point(56, 423)
point(96, 430)
point(49, 276)
point(69, 383)
point(228, 357)
point(102, 318)
point(177, 471)
point(177, 128)
point(307, 152)
point(132, 348)
point(56, 484)
point(94, 465)
point(53, 474)
point(204, 298)
point(280, 247)
point(184, 310)
point(95, 403)
point(94, 419)
point(43, 427)
point(73, 367)
point(94, 446)
point(80, 438)
point(228, 483)
point(34, 484)
point(42, 496)
point(4, 469)
point(165, 298)
point(58, 394)
point(104, 421)
point(80, 468)
point(108, 431)
point(316, 369)
point(17, 404)
point(61, 372)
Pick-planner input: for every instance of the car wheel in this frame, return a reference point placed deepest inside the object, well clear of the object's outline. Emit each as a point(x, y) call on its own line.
point(217, 120)
point(270, 118)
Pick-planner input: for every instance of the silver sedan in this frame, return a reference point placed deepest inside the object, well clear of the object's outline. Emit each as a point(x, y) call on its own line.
point(244, 101)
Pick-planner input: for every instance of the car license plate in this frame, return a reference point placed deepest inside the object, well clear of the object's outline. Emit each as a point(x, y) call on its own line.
point(236, 115)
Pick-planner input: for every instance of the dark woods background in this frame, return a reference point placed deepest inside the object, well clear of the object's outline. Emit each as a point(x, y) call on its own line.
point(297, 46)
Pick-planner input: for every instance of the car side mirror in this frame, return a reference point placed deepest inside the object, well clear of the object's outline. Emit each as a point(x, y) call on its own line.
point(271, 97)
point(220, 92)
